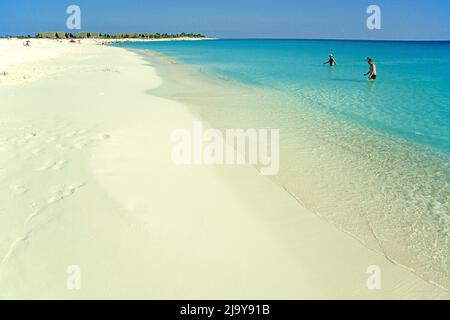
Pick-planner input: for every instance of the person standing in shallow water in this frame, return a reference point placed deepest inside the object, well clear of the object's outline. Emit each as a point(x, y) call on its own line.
point(373, 70)
point(331, 61)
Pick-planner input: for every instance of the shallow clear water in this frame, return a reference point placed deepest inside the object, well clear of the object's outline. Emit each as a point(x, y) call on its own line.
point(410, 99)
point(372, 158)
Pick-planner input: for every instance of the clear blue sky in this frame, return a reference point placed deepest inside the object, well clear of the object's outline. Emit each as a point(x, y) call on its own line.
point(401, 19)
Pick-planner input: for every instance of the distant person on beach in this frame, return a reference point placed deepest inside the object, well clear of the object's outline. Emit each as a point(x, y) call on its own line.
point(27, 43)
point(331, 61)
point(373, 70)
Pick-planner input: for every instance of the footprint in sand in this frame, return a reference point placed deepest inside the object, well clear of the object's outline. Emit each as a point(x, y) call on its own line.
point(59, 193)
point(19, 189)
point(59, 165)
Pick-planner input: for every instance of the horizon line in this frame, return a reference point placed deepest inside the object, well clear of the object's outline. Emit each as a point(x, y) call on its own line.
point(340, 39)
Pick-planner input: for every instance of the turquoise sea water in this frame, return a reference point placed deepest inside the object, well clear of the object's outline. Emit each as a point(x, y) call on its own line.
point(373, 158)
point(411, 98)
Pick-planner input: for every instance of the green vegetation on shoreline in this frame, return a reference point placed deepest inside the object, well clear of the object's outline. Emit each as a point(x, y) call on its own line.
point(98, 35)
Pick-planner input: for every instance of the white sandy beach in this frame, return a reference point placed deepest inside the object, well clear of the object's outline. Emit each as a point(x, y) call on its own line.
point(86, 179)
